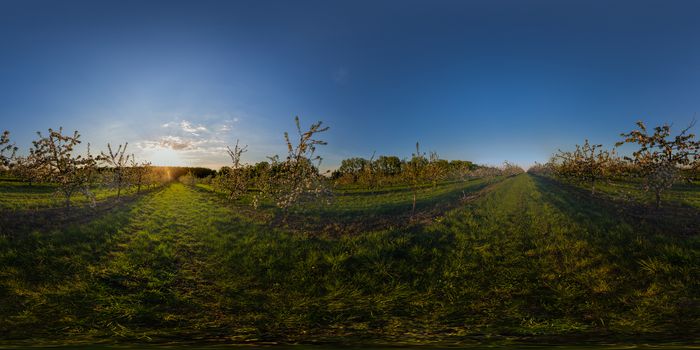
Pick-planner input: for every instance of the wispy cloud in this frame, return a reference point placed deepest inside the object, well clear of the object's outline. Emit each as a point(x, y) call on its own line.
point(202, 142)
point(201, 139)
point(173, 142)
point(227, 125)
point(187, 127)
point(190, 145)
point(193, 129)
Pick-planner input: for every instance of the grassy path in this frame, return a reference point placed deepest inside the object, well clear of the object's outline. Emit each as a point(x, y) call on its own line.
point(533, 259)
point(146, 269)
point(160, 274)
point(515, 254)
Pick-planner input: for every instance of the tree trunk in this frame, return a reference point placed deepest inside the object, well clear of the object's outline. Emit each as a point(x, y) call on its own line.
point(413, 210)
point(285, 214)
point(658, 199)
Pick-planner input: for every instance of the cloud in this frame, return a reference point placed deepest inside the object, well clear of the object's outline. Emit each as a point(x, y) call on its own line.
point(172, 142)
point(227, 125)
point(178, 143)
point(175, 143)
point(199, 141)
point(187, 127)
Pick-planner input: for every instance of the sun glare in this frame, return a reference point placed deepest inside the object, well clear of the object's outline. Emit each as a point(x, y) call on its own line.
point(165, 156)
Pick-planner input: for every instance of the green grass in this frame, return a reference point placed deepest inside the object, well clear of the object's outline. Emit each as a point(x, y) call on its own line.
point(390, 200)
point(355, 210)
point(687, 194)
point(18, 195)
point(530, 260)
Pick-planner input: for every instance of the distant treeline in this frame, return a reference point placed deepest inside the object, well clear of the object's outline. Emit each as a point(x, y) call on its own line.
point(354, 170)
point(199, 172)
point(393, 169)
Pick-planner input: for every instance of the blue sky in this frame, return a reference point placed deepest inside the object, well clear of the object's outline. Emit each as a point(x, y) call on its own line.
point(485, 81)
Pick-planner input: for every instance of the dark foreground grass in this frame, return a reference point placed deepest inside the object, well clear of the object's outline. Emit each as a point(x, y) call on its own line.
point(471, 346)
point(528, 261)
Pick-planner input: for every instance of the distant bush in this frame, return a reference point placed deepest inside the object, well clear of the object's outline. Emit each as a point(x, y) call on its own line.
point(546, 169)
point(188, 179)
point(484, 172)
point(510, 169)
point(588, 163)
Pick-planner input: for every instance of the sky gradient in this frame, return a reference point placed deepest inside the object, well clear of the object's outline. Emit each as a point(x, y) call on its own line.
point(485, 81)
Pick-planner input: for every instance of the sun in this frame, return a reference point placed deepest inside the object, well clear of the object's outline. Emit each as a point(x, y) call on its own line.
point(165, 157)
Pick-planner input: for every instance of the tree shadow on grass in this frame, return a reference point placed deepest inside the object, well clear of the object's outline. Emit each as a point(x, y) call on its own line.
point(673, 218)
point(644, 257)
point(47, 256)
point(342, 191)
point(333, 221)
point(18, 222)
point(48, 245)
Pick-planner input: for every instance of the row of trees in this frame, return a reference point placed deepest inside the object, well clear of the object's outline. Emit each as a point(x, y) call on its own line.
point(296, 178)
point(286, 181)
point(659, 161)
point(421, 167)
point(53, 158)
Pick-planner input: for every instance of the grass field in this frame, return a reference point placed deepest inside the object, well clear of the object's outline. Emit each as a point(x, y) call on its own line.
point(19, 195)
point(354, 210)
point(524, 258)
